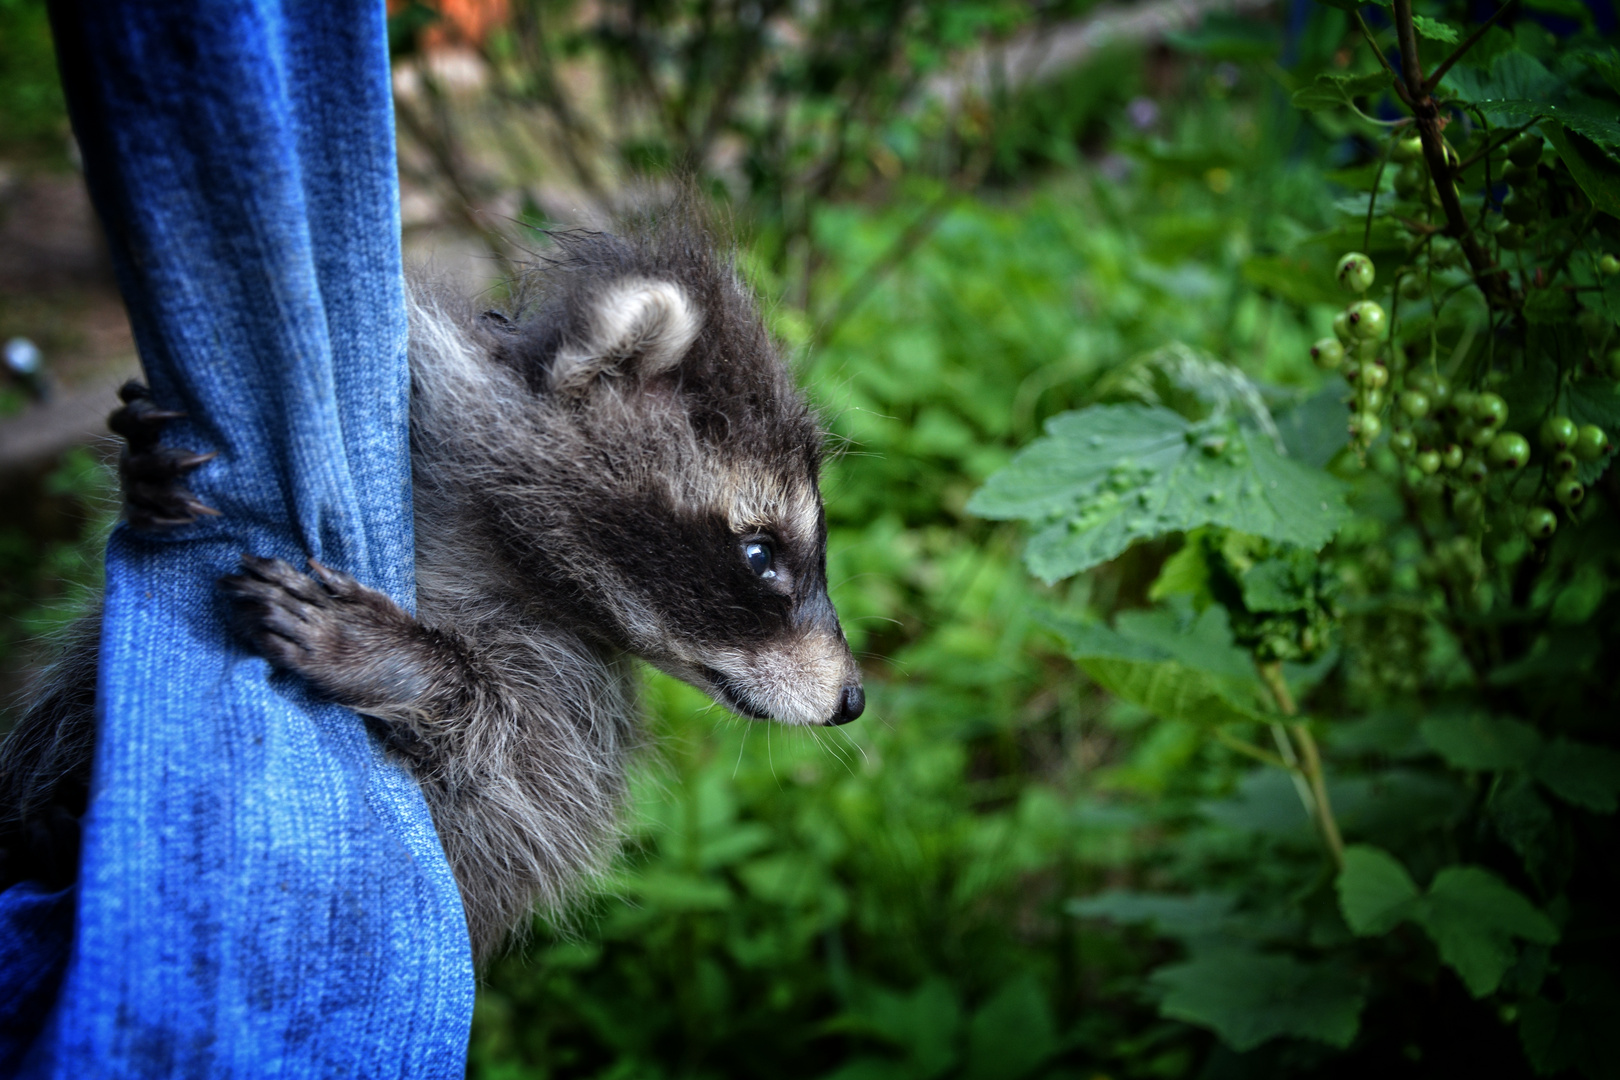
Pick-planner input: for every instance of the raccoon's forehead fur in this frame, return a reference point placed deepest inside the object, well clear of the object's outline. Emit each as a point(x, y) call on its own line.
point(621, 434)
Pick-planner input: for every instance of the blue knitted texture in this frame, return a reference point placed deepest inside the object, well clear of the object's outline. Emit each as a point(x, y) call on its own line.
point(261, 893)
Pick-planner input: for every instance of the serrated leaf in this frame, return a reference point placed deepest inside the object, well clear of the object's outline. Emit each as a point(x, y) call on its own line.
point(1473, 918)
point(1248, 998)
point(1108, 476)
point(1335, 91)
point(1596, 172)
point(1514, 75)
point(1434, 30)
point(1375, 891)
point(1582, 774)
point(1481, 743)
point(1149, 676)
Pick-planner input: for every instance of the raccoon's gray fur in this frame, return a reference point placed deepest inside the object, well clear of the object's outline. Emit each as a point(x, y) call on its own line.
point(627, 469)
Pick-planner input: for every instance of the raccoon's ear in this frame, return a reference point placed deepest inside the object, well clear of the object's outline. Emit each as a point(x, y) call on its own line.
point(636, 327)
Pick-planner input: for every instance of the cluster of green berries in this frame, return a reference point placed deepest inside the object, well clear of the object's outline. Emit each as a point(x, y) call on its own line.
point(1464, 433)
point(1356, 350)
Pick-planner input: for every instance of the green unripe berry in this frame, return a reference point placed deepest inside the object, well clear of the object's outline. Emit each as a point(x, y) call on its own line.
point(1591, 442)
point(1520, 208)
point(1463, 402)
point(1413, 287)
point(1372, 398)
point(1374, 375)
point(1355, 273)
point(1341, 327)
point(1594, 324)
point(1415, 403)
point(1489, 409)
point(1564, 463)
point(1525, 150)
point(1411, 180)
point(1558, 433)
point(1520, 175)
point(1409, 148)
point(1467, 505)
point(1509, 450)
point(1351, 372)
point(1609, 266)
point(1327, 354)
point(1367, 320)
point(1569, 491)
point(1540, 523)
point(1429, 462)
point(1367, 351)
point(1476, 435)
point(1445, 252)
point(1402, 442)
point(1474, 470)
point(1452, 456)
point(1364, 426)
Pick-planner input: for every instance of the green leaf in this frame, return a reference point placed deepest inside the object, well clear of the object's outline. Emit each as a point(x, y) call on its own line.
point(1012, 1035)
point(1107, 476)
point(1596, 172)
point(1579, 773)
point(1336, 91)
point(1297, 279)
point(1146, 675)
point(1593, 120)
point(1186, 573)
point(1435, 30)
point(1549, 307)
point(1375, 891)
point(1473, 918)
point(1172, 916)
point(1247, 998)
point(1481, 743)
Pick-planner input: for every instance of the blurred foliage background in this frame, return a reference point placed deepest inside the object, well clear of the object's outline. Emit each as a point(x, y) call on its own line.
point(967, 218)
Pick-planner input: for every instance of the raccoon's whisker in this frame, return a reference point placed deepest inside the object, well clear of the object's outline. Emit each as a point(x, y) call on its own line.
point(740, 747)
point(771, 761)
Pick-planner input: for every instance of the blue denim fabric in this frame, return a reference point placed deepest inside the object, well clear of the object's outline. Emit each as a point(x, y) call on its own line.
point(261, 892)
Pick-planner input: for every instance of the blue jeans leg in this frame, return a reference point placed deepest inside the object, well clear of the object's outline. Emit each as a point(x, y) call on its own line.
point(261, 890)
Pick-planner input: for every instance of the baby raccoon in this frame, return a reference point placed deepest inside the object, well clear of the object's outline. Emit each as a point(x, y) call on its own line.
point(626, 470)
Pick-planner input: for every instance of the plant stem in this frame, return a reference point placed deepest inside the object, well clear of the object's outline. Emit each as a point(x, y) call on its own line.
point(1244, 746)
point(1307, 764)
point(1468, 43)
point(1400, 91)
point(1427, 114)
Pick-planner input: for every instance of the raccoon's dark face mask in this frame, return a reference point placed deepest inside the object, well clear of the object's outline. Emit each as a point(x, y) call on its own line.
point(708, 530)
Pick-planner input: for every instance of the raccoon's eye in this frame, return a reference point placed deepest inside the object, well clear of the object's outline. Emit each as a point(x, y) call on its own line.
point(760, 558)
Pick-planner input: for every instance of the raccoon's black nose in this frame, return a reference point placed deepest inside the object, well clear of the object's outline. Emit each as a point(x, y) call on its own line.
point(851, 703)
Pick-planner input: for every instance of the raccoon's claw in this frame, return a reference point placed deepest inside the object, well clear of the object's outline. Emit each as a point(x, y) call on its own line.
point(341, 636)
point(155, 495)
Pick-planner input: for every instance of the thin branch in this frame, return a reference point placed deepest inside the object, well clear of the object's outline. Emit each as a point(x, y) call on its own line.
point(1308, 773)
point(1313, 771)
point(1427, 115)
point(1367, 33)
point(1244, 746)
point(1468, 43)
point(1491, 148)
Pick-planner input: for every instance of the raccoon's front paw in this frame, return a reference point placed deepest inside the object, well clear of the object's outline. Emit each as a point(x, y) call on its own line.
point(155, 494)
point(352, 643)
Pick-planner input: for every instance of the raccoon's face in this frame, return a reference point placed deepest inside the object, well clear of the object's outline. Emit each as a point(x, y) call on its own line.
point(695, 527)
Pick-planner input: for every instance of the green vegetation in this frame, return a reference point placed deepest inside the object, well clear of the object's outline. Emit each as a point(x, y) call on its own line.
point(1224, 516)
